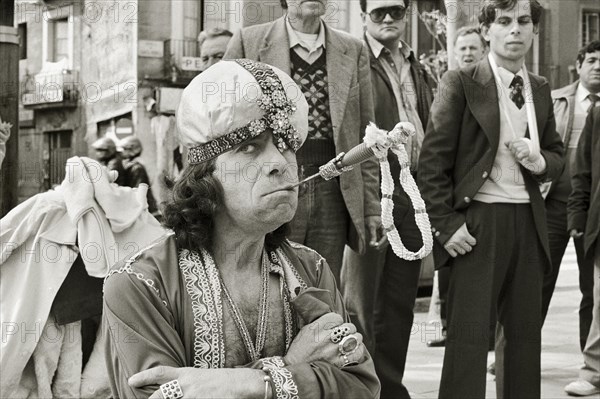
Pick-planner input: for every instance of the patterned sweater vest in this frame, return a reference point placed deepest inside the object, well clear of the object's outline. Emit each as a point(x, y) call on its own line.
point(319, 147)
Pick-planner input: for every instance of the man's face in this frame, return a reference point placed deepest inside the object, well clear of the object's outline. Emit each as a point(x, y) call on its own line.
point(254, 176)
point(589, 71)
point(306, 9)
point(512, 32)
point(102, 154)
point(213, 49)
point(468, 49)
point(388, 29)
point(128, 151)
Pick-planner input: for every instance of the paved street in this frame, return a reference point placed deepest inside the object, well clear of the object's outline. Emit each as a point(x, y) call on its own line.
point(561, 357)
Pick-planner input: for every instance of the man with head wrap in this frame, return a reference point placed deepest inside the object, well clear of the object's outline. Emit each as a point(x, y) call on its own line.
point(225, 305)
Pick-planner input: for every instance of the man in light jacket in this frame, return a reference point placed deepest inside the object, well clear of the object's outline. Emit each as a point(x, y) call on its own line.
point(572, 104)
point(332, 70)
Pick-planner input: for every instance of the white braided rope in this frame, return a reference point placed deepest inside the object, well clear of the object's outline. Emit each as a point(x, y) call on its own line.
point(381, 142)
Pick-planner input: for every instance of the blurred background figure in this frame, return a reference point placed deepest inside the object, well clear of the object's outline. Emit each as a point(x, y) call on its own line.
point(212, 44)
point(469, 46)
point(106, 153)
point(135, 170)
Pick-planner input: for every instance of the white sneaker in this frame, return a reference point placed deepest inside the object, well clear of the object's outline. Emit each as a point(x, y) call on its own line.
point(581, 388)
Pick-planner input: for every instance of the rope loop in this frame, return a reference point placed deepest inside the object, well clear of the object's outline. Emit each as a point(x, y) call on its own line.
point(381, 142)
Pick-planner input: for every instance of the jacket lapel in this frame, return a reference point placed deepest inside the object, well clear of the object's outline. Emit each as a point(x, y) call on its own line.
point(540, 102)
point(275, 50)
point(376, 66)
point(340, 68)
point(482, 97)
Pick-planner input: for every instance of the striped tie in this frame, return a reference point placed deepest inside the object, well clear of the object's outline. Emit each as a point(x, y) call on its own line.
point(594, 99)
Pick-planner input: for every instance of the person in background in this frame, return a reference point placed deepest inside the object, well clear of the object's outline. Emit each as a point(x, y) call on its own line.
point(135, 170)
point(490, 225)
point(213, 44)
point(469, 46)
point(379, 288)
point(572, 104)
point(584, 223)
point(331, 69)
point(106, 153)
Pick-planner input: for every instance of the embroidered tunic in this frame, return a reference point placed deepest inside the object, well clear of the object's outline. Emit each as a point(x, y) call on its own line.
point(165, 307)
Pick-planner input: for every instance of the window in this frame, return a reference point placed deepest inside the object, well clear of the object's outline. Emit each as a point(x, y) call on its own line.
point(58, 36)
point(590, 27)
point(23, 41)
point(191, 20)
point(59, 150)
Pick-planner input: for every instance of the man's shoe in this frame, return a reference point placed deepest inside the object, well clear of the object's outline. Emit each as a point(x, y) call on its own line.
point(436, 343)
point(492, 369)
point(581, 388)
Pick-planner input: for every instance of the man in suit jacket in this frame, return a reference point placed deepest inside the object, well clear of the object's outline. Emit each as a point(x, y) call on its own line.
point(479, 175)
point(584, 221)
point(571, 106)
point(378, 282)
point(332, 70)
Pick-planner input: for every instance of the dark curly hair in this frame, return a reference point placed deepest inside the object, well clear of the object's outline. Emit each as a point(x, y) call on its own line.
point(195, 198)
point(591, 47)
point(487, 14)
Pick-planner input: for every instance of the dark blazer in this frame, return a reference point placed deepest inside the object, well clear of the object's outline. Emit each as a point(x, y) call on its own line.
point(350, 100)
point(584, 201)
point(386, 106)
point(461, 143)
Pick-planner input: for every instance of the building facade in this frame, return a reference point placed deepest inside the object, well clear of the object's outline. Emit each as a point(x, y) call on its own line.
point(114, 68)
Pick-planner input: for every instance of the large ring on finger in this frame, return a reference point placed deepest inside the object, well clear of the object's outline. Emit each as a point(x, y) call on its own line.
point(347, 362)
point(348, 345)
point(338, 333)
point(171, 390)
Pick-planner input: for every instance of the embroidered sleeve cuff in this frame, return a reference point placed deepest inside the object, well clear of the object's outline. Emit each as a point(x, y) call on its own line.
point(284, 385)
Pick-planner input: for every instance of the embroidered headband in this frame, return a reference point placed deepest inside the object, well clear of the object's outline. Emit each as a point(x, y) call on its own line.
point(217, 112)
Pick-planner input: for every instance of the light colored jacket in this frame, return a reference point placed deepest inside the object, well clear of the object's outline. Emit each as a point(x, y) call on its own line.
point(351, 106)
point(39, 241)
point(564, 109)
point(563, 100)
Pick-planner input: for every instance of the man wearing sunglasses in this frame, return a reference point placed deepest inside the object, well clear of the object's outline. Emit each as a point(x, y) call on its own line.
point(401, 92)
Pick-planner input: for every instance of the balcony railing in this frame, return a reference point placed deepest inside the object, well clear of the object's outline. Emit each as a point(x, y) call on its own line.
point(182, 59)
point(52, 90)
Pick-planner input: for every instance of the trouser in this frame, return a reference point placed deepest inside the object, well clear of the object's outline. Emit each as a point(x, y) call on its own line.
point(380, 291)
point(321, 221)
point(507, 265)
point(558, 237)
point(591, 353)
point(444, 283)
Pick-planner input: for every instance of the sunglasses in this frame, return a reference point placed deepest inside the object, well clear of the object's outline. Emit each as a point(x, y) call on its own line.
point(396, 12)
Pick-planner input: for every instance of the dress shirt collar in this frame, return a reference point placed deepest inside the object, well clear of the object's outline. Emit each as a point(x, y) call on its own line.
point(296, 40)
point(582, 95)
point(507, 76)
point(377, 47)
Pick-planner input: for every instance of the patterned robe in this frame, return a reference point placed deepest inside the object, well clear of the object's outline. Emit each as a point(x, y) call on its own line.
point(165, 306)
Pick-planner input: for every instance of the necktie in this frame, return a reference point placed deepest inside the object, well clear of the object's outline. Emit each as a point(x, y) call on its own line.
point(516, 91)
point(594, 99)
